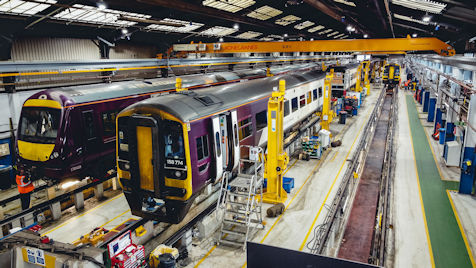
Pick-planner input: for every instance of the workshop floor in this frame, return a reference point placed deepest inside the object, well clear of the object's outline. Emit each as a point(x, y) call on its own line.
point(108, 214)
point(316, 183)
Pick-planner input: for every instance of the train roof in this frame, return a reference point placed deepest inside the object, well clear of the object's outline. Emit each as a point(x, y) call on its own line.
point(97, 92)
point(189, 106)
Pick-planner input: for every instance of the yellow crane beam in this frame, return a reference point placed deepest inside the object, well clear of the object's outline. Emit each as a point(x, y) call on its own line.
point(388, 45)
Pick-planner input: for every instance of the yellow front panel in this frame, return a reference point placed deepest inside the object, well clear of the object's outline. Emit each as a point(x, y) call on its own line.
point(35, 151)
point(390, 72)
point(144, 155)
point(42, 103)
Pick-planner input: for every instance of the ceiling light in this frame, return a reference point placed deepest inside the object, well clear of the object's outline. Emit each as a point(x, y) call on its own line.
point(218, 31)
point(316, 28)
point(285, 35)
point(101, 6)
point(403, 17)
point(236, 26)
point(221, 39)
point(350, 28)
point(303, 25)
point(426, 18)
point(248, 35)
point(124, 31)
point(181, 26)
point(345, 2)
point(414, 35)
point(366, 35)
point(312, 39)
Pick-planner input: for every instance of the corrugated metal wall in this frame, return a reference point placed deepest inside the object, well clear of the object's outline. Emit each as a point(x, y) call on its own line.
point(128, 51)
point(40, 49)
point(58, 49)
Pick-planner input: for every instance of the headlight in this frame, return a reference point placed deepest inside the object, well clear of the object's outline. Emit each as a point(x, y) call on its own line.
point(54, 155)
point(127, 166)
point(178, 174)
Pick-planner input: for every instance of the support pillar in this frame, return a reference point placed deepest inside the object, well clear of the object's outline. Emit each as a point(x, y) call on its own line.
point(99, 191)
point(79, 200)
point(431, 110)
point(468, 167)
point(55, 211)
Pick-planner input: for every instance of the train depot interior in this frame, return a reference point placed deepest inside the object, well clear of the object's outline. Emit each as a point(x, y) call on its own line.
point(237, 133)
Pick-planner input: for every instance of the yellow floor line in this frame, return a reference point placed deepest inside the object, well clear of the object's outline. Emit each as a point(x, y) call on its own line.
point(332, 186)
point(81, 215)
point(333, 158)
point(214, 247)
point(419, 190)
point(468, 248)
point(109, 221)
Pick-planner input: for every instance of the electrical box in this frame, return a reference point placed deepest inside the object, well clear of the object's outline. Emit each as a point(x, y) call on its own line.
point(325, 138)
point(452, 153)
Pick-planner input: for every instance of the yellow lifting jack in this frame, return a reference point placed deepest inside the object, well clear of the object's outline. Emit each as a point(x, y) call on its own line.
point(366, 77)
point(358, 85)
point(327, 114)
point(276, 159)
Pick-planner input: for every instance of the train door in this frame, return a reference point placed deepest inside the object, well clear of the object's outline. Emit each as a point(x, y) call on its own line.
point(217, 147)
point(90, 138)
point(235, 141)
point(224, 140)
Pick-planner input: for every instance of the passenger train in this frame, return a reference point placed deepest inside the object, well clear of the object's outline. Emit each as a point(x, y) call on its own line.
point(69, 132)
point(391, 74)
point(170, 148)
point(345, 77)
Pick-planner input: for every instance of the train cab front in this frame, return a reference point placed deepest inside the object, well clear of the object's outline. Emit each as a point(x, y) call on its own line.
point(153, 165)
point(38, 151)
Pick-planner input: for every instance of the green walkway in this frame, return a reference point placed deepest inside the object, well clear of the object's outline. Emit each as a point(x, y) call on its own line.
point(447, 243)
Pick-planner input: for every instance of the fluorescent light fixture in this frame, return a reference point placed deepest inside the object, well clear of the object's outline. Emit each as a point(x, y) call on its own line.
point(236, 26)
point(187, 26)
point(325, 31)
point(403, 17)
point(426, 18)
point(315, 28)
point(221, 39)
point(332, 34)
point(248, 35)
point(18, 7)
point(350, 28)
point(124, 31)
point(414, 35)
point(266, 39)
point(424, 5)
point(218, 31)
point(232, 6)
point(303, 25)
point(264, 13)
point(366, 35)
point(289, 19)
point(349, 3)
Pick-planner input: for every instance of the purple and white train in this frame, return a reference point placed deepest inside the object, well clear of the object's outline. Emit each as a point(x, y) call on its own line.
point(70, 132)
point(170, 148)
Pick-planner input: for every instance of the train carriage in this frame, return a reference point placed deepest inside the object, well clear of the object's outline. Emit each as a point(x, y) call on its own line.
point(169, 148)
point(70, 132)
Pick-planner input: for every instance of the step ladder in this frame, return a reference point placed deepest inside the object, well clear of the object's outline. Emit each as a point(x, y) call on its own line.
point(240, 201)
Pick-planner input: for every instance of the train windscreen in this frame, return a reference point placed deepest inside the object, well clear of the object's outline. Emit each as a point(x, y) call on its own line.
point(174, 146)
point(39, 125)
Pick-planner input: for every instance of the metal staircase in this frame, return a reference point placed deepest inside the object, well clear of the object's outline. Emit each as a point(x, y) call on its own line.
point(240, 200)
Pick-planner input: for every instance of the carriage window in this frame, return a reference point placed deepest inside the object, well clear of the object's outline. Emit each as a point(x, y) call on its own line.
point(309, 97)
point(109, 123)
point(89, 127)
point(202, 147)
point(302, 101)
point(286, 108)
point(173, 138)
point(245, 128)
point(314, 94)
point(320, 92)
point(217, 140)
point(235, 133)
point(294, 104)
point(261, 120)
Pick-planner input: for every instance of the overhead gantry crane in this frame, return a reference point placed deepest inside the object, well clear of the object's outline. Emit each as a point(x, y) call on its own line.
point(387, 46)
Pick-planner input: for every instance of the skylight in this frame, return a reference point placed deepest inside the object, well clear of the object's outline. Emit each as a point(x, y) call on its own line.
point(89, 14)
point(185, 28)
point(266, 39)
point(339, 35)
point(24, 7)
point(229, 5)
point(349, 3)
point(326, 31)
point(248, 35)
point(264, 13)
point(304, 24)
point(424, 5)
point(219, 31)
point(315, 28)
point(289, 19)
point(403, 17)
point(275, 36)
point(331, 34)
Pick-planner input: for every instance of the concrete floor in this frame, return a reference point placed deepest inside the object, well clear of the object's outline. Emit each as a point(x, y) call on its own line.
point(411, 244)
point(465, 206)
point(315, 186)
point(108, 214)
